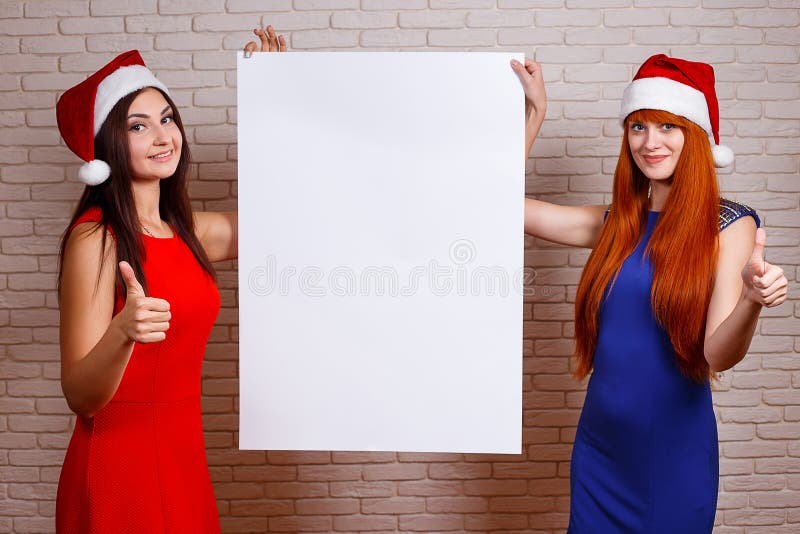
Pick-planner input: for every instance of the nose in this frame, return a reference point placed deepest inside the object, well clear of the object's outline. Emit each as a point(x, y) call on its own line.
point(653, 139)
point(161, 136)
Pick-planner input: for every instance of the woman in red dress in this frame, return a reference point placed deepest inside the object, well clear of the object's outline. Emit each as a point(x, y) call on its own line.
point(133, 337)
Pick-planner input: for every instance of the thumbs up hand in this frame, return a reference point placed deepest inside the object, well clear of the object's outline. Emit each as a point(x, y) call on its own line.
point(143, 319)
point(764, 283)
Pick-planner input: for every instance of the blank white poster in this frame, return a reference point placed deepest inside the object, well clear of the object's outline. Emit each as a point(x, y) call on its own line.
point(381, 202)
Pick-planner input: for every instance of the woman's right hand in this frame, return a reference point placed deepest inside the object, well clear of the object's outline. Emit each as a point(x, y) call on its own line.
point(532, 82)
point(143, 319)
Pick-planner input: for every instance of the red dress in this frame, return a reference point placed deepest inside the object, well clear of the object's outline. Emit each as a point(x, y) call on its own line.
point(139, 465)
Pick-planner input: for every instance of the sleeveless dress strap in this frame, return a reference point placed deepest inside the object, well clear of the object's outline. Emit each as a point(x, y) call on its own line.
point(92, 214)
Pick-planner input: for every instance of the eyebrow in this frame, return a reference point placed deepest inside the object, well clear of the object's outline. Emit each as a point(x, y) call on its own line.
point(145, 116)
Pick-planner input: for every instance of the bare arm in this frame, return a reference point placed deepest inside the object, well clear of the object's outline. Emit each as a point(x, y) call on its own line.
point(576, 226)
point(530, 76)
point(218, 232)
point(95, 348)
point(744, 283)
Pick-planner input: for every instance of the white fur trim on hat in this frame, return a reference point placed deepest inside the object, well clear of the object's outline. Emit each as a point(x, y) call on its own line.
point(94, 172)
point(119, 84)
point(666, 95)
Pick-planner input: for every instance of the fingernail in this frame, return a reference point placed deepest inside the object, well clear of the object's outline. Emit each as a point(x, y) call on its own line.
point(247, 54)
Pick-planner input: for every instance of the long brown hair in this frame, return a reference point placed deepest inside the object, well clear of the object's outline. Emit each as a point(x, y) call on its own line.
point(114, 197)
point(682, 249)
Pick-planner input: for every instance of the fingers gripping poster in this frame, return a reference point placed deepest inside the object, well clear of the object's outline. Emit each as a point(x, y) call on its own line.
point(381, 274)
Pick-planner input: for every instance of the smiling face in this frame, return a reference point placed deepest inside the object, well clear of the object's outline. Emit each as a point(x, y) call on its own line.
point(655, 146)
point(154, 139)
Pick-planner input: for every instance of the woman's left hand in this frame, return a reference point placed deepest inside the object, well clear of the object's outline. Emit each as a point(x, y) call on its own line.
point(764, 283)
point(270, 42)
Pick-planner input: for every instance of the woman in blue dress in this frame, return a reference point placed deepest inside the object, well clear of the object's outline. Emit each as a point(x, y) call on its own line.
point(669, 296)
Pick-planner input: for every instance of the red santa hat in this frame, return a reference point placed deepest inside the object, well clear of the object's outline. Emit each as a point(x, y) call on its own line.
point(681, 87)
point(82, 109)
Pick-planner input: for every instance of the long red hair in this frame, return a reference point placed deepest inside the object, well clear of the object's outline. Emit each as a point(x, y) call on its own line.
point(682, 248)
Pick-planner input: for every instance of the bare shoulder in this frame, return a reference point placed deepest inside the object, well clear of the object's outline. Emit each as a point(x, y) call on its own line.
point(740, 231)
point(87, 238)
point(736, 242)
point(217, 232)
point(201, 217)
point(207, 221)
point(88, 254)
point(200, 222)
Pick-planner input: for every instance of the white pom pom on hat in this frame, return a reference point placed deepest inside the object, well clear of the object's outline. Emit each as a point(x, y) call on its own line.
point(94, 172)
point(681, 87)
point(82, 109)
point(723, 155)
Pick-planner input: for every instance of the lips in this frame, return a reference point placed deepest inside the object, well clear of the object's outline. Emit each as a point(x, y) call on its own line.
point(162, 156)
point(654, 159)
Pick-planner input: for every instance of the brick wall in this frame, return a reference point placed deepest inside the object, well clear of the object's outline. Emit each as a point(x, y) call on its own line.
point(589, 49)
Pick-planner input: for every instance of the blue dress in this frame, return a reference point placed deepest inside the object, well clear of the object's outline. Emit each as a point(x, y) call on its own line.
point(645, 458)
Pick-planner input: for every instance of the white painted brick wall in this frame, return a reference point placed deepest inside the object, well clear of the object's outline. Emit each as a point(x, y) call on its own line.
point(589, 50)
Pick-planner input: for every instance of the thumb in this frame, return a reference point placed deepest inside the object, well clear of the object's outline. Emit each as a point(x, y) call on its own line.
point(520, 69)
point(129, 277)
point(757, 256)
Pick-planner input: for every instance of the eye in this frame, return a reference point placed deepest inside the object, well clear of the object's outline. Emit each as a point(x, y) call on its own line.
point(137, 127)
point(668, 126)
point(637, 126)
point(168, 119)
